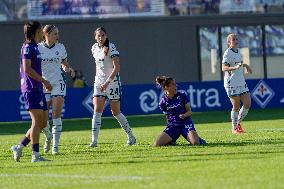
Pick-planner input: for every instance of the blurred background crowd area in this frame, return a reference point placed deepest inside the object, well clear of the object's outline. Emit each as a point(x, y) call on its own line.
point(27, 9)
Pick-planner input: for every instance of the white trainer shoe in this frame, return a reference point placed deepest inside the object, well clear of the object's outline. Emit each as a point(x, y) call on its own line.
point(17, 152)
point(55, 151)
point(46, 146)
point(93, 144)
point(131, 140)
point(38, 158)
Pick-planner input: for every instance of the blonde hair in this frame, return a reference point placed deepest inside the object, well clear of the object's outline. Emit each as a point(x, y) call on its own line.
point(229, 38)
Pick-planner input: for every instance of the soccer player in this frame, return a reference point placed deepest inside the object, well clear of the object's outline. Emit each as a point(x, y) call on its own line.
point(176, 107)
point(234, 82)
point(107, 85)
point(32, 84)
point(54, 60)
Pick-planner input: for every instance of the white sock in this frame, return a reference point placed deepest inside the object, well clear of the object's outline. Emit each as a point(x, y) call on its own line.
point(46, 131)
point(234, 118)
point(20, 146)
point(96, 125)
point(242, 114)
point(124, 124)
point(56, 131)
point(34, 153)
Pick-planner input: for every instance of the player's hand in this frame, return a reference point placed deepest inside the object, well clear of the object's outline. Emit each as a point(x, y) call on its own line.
point(238, 66)
point(248, 69)
point(104, 86)
point(182, 116)
point(72, 72)
point(47, 85)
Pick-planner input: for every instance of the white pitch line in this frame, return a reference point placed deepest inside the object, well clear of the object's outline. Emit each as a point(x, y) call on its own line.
point(261, 129)
point(77, 176)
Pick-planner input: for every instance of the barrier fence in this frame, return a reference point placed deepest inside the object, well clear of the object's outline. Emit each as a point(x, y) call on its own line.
point(144, 99)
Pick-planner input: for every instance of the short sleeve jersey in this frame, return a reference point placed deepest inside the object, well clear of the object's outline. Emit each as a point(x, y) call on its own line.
point(52, 58)
point(233, 78)
point(104, 65)
point(173, 107)
point(29, 51)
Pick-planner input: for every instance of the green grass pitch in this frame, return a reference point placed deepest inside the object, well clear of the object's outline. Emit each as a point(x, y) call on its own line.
point(252, 160)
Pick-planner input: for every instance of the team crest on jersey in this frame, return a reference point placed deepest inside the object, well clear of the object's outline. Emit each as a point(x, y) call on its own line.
point(26, 51)
point(262, 94)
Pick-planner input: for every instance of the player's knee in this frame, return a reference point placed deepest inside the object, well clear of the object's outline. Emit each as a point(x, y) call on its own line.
point(157, 144)
point(236, 108)
point(115, 112)
point(247, 105)
point(194, 142)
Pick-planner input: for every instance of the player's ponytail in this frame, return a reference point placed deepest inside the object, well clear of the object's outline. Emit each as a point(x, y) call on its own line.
point(163, 81)
point(106, 46)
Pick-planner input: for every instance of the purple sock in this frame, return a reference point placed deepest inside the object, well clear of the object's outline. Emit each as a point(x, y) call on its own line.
point(35, 147)
point(25, 141)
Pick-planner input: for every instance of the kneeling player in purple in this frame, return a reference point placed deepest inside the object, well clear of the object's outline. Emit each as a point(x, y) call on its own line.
point(176, 107)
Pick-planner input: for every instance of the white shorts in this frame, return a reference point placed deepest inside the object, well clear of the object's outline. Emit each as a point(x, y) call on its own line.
point(113, 91)
point(58, 89)
point(237, 91)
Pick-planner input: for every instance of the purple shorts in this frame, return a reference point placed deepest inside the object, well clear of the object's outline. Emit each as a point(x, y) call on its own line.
point(35, 100)
point(175, 131)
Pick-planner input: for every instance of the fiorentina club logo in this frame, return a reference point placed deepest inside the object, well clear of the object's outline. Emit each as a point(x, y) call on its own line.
point(262, 94)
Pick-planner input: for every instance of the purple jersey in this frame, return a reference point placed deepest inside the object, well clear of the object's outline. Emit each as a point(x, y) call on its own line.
point(173, 107)
point(30, 51)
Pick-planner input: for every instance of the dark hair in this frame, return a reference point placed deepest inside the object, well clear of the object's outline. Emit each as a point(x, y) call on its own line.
point(163, 81)
point(49, 28)
point(30, 29)
point(106, 43)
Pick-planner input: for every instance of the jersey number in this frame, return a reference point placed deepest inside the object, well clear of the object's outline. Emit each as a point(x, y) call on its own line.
point(62, 86)
point(114, 91)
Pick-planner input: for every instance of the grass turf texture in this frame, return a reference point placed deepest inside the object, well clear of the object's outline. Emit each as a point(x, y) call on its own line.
point(252, 160)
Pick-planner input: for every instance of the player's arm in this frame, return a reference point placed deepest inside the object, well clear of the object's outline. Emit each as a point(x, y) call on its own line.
point(188, 112)
point(33, 74)
point(226, 67)
point(116, 67)
point(115, 70)
point(67, 68)
point(248, 70)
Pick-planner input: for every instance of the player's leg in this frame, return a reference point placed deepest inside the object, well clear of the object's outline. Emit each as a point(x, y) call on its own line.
point(115, 109)
point(99, 102)
point(235, 100)
point(36, 105)
point(57, 104)
point(169, 135)
point(246, 100)
point(17, 149)
point(190, 134)
point(163, 140)
point(46, 130)
point(38, 122)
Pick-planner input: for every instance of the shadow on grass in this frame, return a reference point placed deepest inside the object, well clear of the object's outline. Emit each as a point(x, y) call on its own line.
point(146, 121)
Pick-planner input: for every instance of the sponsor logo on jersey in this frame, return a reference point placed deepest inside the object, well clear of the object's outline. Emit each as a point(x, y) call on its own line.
point(262, 94)
point(149, 100)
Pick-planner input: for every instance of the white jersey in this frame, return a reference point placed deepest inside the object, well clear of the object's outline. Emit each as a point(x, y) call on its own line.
point(104, 65)
point(233, 78)
point(51, 62)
